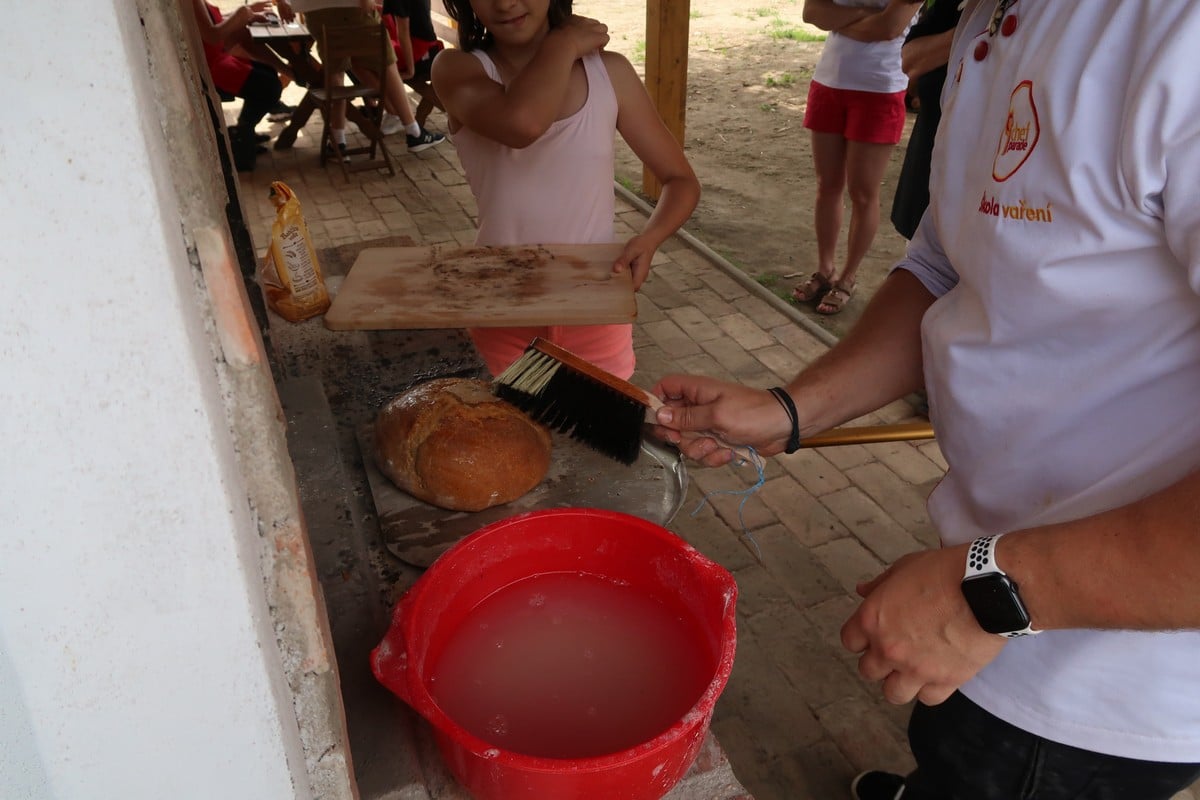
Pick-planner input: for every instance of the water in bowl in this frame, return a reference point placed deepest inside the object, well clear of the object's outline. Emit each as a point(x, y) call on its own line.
point(570, 665)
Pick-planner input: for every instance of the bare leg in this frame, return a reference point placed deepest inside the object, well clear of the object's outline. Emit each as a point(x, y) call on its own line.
point(865, 166)
point(395, 96)
point(829, 160)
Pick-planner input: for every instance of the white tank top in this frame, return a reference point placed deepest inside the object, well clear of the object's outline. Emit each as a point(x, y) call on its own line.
point(559, 190)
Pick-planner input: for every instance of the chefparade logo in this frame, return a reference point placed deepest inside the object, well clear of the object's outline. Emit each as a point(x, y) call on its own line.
point(1017, 141)
point(1020, 135)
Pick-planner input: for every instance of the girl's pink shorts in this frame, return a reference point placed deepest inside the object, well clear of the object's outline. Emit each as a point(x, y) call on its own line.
point(609, 347)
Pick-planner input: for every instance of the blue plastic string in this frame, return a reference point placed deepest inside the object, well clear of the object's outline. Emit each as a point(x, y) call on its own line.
point(760, 465)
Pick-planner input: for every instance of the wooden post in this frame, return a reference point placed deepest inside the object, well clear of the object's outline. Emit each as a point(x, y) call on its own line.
point(667, 24)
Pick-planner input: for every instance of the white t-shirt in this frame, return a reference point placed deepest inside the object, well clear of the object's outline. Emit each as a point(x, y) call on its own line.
point(1062, 358)
point(846, 63)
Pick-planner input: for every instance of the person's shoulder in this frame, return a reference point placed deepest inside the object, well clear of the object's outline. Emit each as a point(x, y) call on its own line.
point(617, 65)
point(453, 64)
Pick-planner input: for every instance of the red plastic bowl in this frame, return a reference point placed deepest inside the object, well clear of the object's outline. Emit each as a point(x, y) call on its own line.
point(603, 543)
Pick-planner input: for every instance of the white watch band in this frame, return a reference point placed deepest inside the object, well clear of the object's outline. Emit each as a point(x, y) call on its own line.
point(981, 560)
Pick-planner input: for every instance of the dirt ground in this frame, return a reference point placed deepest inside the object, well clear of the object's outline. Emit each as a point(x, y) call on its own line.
point(748, 76)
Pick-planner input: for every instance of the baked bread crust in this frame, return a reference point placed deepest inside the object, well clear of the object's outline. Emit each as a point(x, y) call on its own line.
point(452, 443)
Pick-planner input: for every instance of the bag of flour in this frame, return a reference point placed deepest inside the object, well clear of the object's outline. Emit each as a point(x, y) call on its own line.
point(291, 277)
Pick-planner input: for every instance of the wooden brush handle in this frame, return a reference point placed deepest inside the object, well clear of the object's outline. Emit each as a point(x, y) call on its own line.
point(868, 434)
point(834, 437)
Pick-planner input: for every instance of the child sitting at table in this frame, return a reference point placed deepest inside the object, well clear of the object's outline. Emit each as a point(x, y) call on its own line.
point(410, 24)
point(256, 82)
point(533, 100)
point(337, 14)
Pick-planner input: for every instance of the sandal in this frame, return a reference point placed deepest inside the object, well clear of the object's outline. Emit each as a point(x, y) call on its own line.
point(817, 285)
point(836, 298)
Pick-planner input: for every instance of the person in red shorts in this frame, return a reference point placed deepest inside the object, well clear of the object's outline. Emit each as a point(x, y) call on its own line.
point(256, 82)
point(414, 37)
point(856, 115)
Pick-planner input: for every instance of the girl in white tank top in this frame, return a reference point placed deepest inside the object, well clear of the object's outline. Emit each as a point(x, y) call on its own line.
point(533, 101)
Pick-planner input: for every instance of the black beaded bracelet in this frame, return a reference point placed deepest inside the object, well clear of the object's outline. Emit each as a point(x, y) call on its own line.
point(785, 400)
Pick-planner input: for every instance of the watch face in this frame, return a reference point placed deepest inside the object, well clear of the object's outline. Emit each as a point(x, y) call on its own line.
point(994, 600)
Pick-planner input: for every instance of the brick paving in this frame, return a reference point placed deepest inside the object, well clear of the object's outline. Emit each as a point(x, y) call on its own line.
point(795, 722)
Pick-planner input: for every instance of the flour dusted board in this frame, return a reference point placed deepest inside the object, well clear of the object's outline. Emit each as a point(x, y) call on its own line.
point(448, 286)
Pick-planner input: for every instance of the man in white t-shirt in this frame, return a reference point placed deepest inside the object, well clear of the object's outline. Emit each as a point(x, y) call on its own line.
point(1049, 304)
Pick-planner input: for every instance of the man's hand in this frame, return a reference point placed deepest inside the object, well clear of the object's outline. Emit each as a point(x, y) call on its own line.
point(738, 414)
point(914, 630)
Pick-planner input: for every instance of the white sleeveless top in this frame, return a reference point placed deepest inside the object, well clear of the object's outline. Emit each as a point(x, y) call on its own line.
point(558, 190)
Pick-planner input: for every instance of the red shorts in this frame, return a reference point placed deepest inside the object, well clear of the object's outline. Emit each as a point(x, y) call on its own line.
point(872, 117)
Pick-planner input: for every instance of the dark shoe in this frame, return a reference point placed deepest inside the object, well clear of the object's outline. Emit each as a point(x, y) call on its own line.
point(260, 138)
point(245, 150)
point(876, 785)
point(424, 141)
point(341, 153)
point(281, 112)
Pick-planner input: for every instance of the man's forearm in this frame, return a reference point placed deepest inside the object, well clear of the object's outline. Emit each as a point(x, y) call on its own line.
point(1134, 567)
point(876, 363)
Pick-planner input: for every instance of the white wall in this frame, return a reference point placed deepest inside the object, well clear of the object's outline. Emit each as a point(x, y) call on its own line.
point(137, 658)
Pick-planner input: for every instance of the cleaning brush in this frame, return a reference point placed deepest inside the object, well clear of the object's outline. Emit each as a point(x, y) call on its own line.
point(575, 397)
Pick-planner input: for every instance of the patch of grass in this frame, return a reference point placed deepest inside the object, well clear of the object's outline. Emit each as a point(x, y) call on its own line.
point(728, 256)
point(781, 29)
point(694, 14)
point(770, 108)
point(768, 280)
point(628, 184)
point(786, 79)
point(639, 52)
point(764, 12)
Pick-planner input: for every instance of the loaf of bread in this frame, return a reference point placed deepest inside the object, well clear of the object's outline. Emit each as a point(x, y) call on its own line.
point(455, 445)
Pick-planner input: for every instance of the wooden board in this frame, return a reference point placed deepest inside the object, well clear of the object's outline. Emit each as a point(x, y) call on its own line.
point(449, 286)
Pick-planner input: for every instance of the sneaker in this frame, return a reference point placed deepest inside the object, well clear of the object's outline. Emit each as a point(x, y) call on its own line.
point(876, 785)
point(390, 124)
point(424, 141)
point(280, 112)
point(341, 152)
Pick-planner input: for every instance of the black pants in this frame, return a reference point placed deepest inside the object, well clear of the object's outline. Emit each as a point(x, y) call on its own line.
point(260, 92)
point(965, 753)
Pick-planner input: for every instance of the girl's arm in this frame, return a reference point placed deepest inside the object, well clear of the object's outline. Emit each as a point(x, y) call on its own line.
point(518, 114)
point(883, 25)
point(405, 62)
point(829, 16)
point(642, 128)
point(220, 33)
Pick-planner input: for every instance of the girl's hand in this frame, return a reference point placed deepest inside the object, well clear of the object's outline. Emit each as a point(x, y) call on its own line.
point(285, 10)
point(261, 6)
point(636, 258)
point(585, 34)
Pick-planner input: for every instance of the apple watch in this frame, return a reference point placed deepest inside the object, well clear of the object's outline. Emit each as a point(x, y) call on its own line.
point(991, 594)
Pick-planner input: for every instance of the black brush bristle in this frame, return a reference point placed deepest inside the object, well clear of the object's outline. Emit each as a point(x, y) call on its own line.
point(575, 404)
